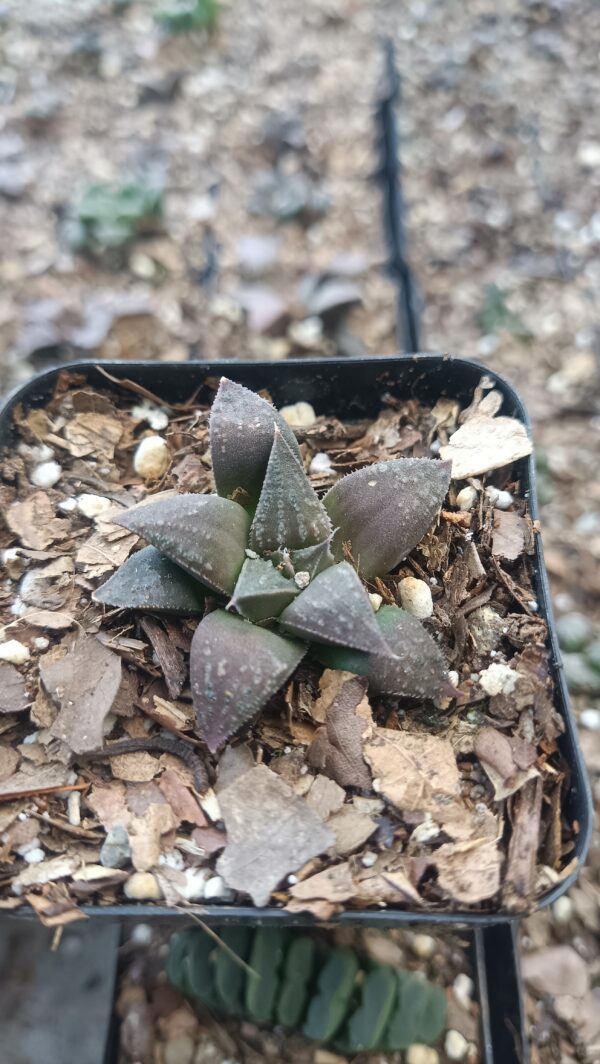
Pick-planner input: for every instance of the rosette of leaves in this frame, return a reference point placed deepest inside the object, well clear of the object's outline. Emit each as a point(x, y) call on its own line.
point(274, 557)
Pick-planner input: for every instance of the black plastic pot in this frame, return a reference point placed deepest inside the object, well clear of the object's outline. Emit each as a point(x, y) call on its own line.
point(349, 389)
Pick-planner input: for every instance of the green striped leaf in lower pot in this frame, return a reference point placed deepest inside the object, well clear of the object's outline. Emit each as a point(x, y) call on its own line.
point(296, 977)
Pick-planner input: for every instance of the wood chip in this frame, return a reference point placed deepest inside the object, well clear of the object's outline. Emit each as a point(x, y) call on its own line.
point(510, 531)
point(169, 657)
point(519, 879)
point(13, 693)
point(35, 779)
point(91, 433)
point(484, 443)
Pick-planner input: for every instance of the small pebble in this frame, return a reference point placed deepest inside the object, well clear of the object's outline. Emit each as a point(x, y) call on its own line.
point(502, 500)
point(115, 851)
point(320, 463)
point(14, 652)
point(179, 1050)
point(40, 642)
point(194, 882)
point(68, 505)
point(307, 333)
point(302, 580)
point(27, 847)
point(299, 415)
point(466, 498)
point(424, 946)
point(251, 553)
point(498, 679)
point(574, 631)
point(217, 890)
point(93, 505)
point(415, 596)
point(562, 910)
point(590, 719)
point(418, 1054)
point(375, 600)
point(368, 859)
point(143, 886)
point(142, 934)
point(46, 475)
point(463, 990)
point(13, 562)
point(151, 459)
point(35, 855)
point(456, 1045)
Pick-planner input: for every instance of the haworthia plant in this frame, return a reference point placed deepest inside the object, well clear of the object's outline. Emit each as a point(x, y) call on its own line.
point(275, 556)
point(331, 994)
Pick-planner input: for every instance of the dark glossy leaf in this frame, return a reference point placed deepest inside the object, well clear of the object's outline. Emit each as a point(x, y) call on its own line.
point(417, 668)
point(203, 534)
point(289, 512)
point(385, 509)
point(311, 560)
point(241, 437)
point(149, 581)
point(335, 608)
point(235, 667)
point(262, 591)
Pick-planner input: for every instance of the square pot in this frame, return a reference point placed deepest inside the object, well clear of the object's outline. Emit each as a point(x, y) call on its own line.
point(350, 389)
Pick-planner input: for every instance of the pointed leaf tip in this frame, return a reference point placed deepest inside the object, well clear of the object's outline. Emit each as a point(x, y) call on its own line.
point(289, 512)
point(149, 581)
point(235, 667)
point(335, 608)
point(241, 437)
point(261, 591)
point(204, 534)
point(385, 509)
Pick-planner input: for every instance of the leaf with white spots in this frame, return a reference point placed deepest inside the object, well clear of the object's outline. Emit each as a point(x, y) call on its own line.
point(262, 592)
point(335, 608)
point(311, 560)
point(414, 666)
point(149, 581)
point(384, 510)
point(204, 534)
point(241, 437)
point(235, 667)
point(289, 512)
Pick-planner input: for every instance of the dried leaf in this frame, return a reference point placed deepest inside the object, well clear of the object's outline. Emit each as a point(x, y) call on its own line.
point(469, 871)
point(107, 548)
point(180, 798)
point(351, 829)
point(54, 620)
point(35, 779)
point(46, 872)
point(388, 880)
point(507, 760)
point(324, 796)
point(415, 771)
point(92, 433)
point(240, 457)
point(510, 531)
point(519, 880)
point(204, 534)
point(332, 884)
point(235, 667)
point(484, 443)
point(13, 693)
point(385, 509)
point(33, 521)
point(330, 684)
point(289, 512)
point(84, 682)
point(270, 832)
point(337, 749)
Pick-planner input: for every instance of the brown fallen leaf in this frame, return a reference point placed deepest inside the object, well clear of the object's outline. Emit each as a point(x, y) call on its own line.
point(84, 682)
point(510, 532)
point(35, 779)
point(325, 796)
point(337, 749)
point(13, 693)
point(469, 871)
point(91, 433)
point(108, 801)
point(180, 798)
point(388, 880)
point(415, 771)
point(270, 832)
point(332, 884)
point(508, 761)
point(106, 549)
point(351, 829)
point(484, 443)
point(33, 521)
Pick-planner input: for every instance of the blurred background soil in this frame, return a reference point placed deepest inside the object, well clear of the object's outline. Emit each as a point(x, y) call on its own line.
point(252, 150)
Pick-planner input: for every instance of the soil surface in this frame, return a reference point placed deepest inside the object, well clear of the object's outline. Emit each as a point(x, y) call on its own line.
point(501, 170)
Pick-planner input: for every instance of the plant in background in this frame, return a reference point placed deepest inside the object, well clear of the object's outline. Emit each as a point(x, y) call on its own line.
point(185, 16)
point(108, 217)
point(296, 981)
point(276, 556)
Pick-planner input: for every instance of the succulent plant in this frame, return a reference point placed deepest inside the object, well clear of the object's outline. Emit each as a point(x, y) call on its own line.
point(284, 566)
